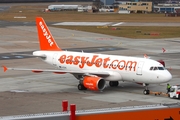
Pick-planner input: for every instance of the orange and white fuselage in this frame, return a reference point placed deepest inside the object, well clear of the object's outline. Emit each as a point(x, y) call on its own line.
point(120, 68)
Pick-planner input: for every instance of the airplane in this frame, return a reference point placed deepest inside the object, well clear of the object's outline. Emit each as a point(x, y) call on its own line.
point(93, 70)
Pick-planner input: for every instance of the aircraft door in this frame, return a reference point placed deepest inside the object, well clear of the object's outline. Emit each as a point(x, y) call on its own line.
point(139, 68)
point(54, 59)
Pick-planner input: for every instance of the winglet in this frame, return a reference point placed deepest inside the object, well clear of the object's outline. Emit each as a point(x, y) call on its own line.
point(145, 56)
point(5, 68)
point(46, 40)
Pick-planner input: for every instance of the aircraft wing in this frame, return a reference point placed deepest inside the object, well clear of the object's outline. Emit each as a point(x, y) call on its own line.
point(86, 72)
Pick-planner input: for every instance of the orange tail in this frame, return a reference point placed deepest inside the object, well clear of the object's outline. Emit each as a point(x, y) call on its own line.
point(46, 40)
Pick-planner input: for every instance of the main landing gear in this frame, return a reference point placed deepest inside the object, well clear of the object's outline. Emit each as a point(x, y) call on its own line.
point(113, 83)
point(146, 91)
point(81, 86)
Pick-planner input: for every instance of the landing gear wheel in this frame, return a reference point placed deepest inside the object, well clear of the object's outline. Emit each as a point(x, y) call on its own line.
point(81, 87)
point(146, 92)
point(116, 83)
point(113, 83)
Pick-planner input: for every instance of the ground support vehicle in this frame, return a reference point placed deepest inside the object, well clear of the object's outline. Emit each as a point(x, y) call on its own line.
point(174, 92)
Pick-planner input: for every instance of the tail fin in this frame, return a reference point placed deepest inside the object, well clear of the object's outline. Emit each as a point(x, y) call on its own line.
point(46, 40)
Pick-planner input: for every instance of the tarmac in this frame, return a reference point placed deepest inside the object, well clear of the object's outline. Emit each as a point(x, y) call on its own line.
point(116, 24)
point(23, 92)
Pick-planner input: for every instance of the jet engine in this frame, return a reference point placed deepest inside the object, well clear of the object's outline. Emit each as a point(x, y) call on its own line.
point(94, 83)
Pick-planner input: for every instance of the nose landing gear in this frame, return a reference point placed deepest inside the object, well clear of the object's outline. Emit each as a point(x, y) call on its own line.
point(146, 91)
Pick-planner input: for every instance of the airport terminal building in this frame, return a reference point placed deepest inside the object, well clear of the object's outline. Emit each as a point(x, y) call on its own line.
point(25, 1)
point(131, 6)
point(107, 2)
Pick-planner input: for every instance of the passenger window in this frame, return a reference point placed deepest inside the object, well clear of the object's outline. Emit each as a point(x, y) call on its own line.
point(151, 68)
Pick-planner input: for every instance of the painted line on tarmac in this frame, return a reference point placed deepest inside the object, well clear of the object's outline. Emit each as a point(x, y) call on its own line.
point(84, 23)
point(118, 24)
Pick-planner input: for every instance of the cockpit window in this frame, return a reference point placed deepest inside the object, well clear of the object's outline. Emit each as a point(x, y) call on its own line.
point(155, 68)
point(151, 68)
point(161, 68)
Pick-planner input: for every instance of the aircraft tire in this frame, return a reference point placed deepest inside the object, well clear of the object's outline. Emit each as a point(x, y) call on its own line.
point(113, 83)
point(110, 83)
point(116, 83)
point(146, 92)
point(81, 87)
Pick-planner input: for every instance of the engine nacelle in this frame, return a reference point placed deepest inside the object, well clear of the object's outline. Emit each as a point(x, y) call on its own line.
point(94, 83)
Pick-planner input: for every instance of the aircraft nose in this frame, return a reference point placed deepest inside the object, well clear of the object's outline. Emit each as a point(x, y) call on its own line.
point(167, 76)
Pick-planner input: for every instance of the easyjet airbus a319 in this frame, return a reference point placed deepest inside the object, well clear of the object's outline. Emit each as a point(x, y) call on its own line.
point(93, 70)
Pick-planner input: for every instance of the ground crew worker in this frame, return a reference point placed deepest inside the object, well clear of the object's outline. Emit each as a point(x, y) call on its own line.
point(168, 88)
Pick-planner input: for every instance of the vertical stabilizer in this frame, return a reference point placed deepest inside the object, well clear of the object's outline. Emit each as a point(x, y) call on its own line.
point(46, 40)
